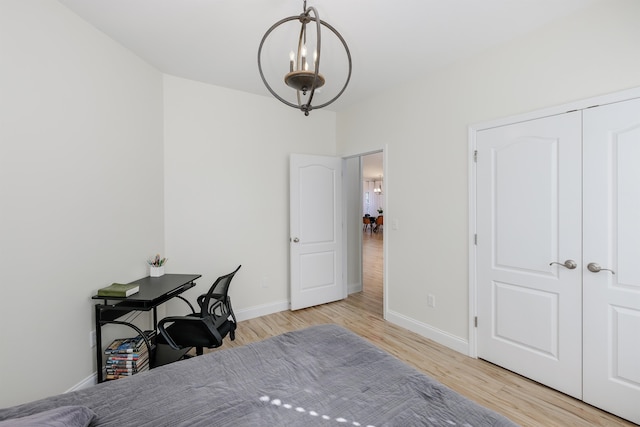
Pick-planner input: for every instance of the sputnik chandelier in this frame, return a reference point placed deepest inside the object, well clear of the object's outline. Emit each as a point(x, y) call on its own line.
point(299, 76)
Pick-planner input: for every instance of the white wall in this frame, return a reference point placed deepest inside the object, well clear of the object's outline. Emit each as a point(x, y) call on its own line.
point(425, 124)
point(227, 188)
point(81, 188)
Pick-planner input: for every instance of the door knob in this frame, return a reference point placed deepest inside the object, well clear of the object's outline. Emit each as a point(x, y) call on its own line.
point(570, 264)
point(296, 240)
point(594, 267)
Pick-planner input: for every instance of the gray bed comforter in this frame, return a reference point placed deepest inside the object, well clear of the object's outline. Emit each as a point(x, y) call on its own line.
point(320, 376)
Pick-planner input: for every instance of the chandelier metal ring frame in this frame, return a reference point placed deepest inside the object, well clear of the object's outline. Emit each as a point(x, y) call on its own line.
point(305, 18)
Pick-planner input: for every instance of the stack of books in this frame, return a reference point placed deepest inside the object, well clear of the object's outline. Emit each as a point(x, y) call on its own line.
point(127, 356)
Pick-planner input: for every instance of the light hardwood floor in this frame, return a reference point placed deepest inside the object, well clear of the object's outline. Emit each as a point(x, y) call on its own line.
point(521, 400)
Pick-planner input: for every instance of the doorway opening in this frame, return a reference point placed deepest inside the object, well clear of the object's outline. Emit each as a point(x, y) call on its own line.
point(372, 212)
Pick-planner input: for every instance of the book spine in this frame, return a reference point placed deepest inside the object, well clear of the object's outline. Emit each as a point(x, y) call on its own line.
point(115, 360)
point(130, 352)
point(125, 357)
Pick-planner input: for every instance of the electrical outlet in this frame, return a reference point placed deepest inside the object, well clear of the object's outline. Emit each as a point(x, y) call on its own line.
point(431, 301)
point(92, 339)
point(264, 283)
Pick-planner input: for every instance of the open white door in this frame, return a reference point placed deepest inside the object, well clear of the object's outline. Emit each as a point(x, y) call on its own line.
point(315, 230)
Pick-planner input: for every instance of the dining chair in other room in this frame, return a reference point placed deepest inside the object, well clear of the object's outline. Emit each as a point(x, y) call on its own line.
point(379, 223)
point(366, 221)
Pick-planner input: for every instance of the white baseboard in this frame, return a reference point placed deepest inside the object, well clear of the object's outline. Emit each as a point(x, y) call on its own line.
point(354, 287)
point(455, 343)
point(261, 310)
point(90, 381)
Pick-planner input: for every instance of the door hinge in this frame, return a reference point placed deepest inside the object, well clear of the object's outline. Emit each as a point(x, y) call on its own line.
point(475, 239)
point(475, 321)
point(475, 156)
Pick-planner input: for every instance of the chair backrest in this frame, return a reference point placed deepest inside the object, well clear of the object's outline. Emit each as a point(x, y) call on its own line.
point(380, 220)
point(219, 291)
point(366, 220)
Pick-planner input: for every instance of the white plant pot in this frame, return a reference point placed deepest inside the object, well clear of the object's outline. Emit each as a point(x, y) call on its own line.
point(156, 271)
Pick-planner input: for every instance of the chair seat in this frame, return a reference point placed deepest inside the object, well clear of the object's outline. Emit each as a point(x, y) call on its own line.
point(194, 334)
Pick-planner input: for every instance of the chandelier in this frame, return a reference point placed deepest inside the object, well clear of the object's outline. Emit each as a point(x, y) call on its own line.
point(299, 76)
point(378, 189)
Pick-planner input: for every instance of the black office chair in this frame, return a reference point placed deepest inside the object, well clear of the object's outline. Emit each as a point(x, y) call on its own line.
point(207, 328)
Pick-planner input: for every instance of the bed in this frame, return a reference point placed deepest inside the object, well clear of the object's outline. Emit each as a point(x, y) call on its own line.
point(319, 376)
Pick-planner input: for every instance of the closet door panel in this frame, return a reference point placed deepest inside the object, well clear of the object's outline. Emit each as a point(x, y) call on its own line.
point(528, 216)
point(612, 240)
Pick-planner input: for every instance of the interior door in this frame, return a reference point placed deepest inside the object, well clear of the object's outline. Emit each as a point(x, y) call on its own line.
point(529, 216)
point(612, 240)
point(316, 230)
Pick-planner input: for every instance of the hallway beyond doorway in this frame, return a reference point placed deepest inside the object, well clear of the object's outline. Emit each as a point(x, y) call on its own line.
point(372, 263)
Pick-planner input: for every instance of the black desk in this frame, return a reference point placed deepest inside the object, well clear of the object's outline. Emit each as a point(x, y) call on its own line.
point(153, 292)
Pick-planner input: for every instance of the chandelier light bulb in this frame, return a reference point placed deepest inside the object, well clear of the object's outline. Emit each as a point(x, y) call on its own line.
point(292, 61)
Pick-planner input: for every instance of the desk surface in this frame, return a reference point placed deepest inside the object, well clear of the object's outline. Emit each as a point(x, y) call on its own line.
point(153, 288)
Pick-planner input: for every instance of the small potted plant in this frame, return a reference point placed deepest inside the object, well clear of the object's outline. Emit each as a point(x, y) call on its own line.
point(379, 211)
point(156, 266)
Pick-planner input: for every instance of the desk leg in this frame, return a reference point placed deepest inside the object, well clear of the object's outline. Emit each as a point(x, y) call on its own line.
point(98, 343)
point(155, 318)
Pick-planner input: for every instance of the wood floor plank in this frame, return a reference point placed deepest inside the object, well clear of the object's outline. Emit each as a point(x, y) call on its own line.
point(520, 399)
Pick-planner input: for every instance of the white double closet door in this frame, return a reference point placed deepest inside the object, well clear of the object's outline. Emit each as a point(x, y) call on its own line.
point(558, 198)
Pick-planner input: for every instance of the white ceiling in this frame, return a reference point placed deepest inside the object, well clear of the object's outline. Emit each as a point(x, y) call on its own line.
point(391, 42)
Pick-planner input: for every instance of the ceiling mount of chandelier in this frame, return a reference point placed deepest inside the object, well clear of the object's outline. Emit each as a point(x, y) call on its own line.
point(305, 80)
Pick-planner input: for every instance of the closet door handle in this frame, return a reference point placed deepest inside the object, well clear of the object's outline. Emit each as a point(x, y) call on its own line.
point(594, 267)
point(570, 264)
